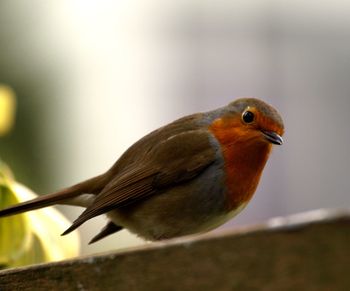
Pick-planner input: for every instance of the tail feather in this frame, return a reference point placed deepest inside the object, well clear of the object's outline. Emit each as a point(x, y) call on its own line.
point(109, 229)
point(92, 186)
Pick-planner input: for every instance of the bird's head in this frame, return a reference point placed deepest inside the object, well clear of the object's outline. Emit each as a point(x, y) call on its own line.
point(249, 120)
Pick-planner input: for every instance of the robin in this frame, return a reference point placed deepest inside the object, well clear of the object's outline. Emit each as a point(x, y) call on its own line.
point(187, 177)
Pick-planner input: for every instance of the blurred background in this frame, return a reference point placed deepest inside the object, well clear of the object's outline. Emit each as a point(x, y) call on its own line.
point(92, 77)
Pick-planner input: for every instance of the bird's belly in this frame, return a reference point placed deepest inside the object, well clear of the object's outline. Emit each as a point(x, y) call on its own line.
point(196, 206)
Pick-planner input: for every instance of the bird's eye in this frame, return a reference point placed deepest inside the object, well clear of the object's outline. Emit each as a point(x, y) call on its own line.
point(248, 116)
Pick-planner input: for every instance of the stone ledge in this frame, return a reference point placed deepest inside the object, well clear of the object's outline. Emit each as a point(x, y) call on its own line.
point(308, 251)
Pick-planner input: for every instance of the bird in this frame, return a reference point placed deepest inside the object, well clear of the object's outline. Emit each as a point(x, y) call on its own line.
point(189, 176)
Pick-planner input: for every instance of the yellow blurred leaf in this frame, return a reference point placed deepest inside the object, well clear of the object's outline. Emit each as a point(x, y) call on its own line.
point(15, 236)
point(47, 224)
point(32, 237)
point(7, 109)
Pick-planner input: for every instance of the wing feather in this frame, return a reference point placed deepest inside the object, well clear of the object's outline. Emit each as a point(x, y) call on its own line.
point(174, 161)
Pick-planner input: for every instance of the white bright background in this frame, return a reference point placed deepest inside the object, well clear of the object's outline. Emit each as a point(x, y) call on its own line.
point(120, 69)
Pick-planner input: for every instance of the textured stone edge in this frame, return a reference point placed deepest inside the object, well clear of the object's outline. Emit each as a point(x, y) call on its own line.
point(307, 251)
point(284, 223)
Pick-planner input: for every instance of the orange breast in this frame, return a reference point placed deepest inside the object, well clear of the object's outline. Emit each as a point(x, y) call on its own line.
point(245, 156)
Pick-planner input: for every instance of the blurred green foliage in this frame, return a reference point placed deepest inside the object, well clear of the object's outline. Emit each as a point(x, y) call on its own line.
point(30, 237)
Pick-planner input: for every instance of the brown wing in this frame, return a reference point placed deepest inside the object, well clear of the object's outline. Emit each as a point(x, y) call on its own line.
point(173, 161)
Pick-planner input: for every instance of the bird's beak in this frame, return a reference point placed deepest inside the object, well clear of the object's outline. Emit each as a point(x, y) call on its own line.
point(272, 137)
